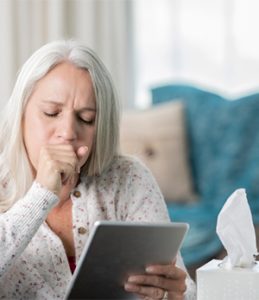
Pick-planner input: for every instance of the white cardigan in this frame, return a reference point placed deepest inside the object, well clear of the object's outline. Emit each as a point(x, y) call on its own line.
point(33, 262)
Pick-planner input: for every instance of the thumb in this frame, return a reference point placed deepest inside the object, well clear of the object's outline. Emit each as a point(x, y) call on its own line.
point(81, 155)
point(81, 151)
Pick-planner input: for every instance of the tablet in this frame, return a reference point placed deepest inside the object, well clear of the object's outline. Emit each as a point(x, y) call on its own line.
point(115, 250)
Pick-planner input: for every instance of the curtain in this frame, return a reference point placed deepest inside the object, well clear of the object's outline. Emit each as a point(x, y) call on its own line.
point(103, 25)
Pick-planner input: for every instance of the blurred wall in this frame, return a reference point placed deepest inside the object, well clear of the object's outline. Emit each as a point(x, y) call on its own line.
point(103, 25)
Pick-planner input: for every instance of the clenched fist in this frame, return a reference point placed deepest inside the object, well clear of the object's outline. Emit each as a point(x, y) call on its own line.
point(59, 165)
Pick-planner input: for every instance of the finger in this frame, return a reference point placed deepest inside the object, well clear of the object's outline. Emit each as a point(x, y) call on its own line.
point(82, 154)
point(151, 280)
point(145, 291)
point(66, 175)
point(59, 146)
point(169, 271)
point(64, 169)
point(65, 148)
point(81, 151)
point(176, 284)
point(61, 158)
point(175, 296)
point(60, 154)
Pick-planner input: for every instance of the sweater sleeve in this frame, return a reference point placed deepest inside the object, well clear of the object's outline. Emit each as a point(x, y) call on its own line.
point(19, 224)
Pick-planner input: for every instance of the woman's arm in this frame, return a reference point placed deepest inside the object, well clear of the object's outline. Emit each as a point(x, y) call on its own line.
point(19, 224)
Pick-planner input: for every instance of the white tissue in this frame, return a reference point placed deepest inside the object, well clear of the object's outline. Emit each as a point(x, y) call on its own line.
point(236, 231)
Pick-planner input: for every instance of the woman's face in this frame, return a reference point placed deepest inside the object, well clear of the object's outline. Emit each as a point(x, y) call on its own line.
point(61, 110)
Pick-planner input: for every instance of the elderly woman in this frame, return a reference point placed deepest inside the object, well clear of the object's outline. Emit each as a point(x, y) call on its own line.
point(60, 171)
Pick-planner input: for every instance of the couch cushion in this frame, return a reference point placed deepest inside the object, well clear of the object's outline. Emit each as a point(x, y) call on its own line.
point(157, 137)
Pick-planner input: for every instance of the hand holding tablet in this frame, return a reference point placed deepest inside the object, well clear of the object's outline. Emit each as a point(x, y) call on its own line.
point(116, 250)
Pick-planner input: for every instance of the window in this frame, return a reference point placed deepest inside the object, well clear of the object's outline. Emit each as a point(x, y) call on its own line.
point(210, 43)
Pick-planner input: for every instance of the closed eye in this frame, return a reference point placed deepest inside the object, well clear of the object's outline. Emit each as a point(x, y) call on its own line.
point(88, 122)
point(51, 115)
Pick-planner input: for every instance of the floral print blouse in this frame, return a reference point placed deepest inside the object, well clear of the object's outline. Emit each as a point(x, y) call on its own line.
point(33, 262)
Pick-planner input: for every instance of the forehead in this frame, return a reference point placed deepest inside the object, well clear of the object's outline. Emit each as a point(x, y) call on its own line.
point(65, 81)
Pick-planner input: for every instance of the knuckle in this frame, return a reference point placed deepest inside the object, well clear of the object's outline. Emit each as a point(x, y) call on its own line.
point(139, 279)
point(157, 293)
point(141, 290)
point(171, 273)
point(158, 281)
point(144, 279)
point(182, 287)
point(183, 274)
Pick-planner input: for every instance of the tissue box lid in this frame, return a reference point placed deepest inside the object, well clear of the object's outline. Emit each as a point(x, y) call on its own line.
point(214, 283)
point(215, 265)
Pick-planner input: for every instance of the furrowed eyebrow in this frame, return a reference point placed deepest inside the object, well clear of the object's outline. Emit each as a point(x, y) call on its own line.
point(61, 104)
point(52, 102)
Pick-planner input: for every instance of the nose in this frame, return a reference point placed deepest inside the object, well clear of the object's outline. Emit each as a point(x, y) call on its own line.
point(67, 129)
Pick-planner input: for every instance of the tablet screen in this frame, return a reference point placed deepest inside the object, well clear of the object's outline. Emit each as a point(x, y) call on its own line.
point(116, 250)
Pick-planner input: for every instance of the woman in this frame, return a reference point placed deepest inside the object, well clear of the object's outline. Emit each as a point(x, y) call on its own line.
point(60, 172)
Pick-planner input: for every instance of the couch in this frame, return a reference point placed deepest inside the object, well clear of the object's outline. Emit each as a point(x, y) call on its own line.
point(200, 146)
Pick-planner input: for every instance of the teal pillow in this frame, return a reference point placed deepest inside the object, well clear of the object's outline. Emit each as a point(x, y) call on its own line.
point(224, 142)
point(223, 138)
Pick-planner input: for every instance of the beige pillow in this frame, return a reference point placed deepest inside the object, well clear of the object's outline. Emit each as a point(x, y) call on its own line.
point(157, 137)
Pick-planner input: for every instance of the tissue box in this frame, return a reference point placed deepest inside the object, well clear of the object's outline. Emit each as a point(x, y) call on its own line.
point(214, 282)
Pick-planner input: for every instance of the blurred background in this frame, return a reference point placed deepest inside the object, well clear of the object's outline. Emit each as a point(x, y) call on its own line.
point(143, 42)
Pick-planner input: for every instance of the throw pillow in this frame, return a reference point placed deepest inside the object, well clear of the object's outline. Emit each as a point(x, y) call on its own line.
point(157, 137)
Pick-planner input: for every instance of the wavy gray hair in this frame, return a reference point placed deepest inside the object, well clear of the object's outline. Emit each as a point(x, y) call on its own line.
point(15, 172)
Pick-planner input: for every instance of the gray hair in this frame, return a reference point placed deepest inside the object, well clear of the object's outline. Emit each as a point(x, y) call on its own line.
point(15, 172)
